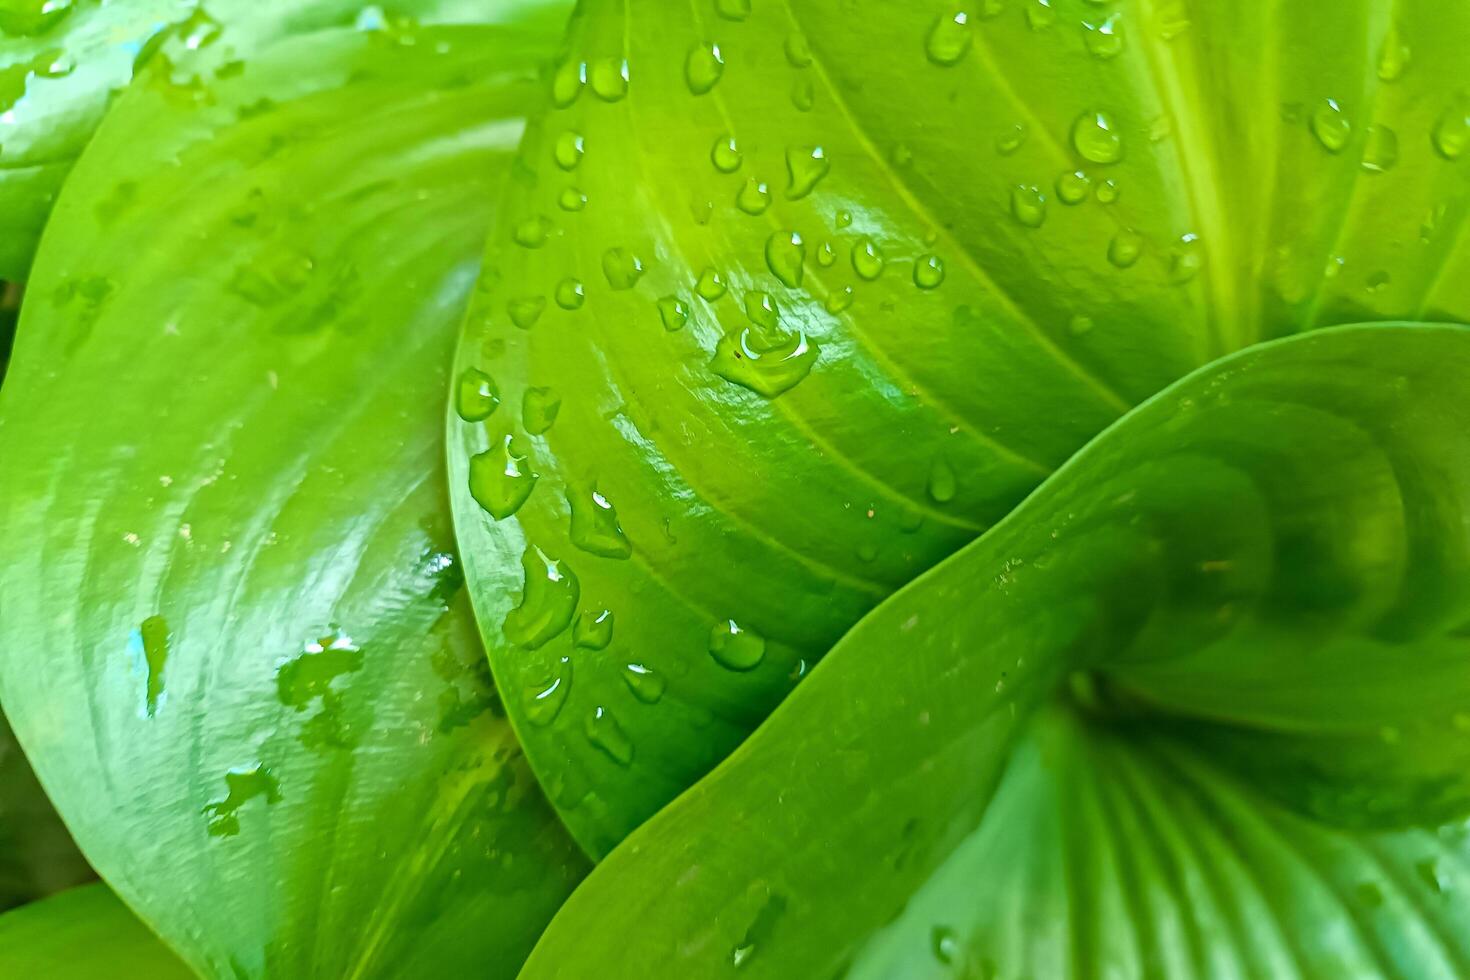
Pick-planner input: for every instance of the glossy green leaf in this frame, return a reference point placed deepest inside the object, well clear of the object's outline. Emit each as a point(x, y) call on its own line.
point(820, 290)
point(83, 934)
point(1196, 709)
point(234, 637)
point(37, 856)
point(62, 61)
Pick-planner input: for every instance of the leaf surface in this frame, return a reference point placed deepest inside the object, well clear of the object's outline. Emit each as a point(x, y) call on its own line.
point(234, 637)
point(83, 934)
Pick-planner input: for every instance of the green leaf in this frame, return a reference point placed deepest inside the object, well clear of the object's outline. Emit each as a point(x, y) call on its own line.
point(1196, 708)
point(235, 640)
point(786, 429)
point(84, 933)
point(37, 856)
point(61, 62)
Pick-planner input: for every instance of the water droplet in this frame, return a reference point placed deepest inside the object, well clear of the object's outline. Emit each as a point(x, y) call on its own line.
point(572, 199)
point(539, 407)
point(153, 636)
point(1028, 205)
point(767, 362)
point(593, 629)
point(609, 79)
point(942, 484)
point(928, 271)
point(710, 285)
point(944, 944)
point(1104, 39)
point(1011, 139)
point(725, 155)
point(805, 166)
point(867, 259)
point(1072, 187)
point(476, 395)
point(1331, 126)
point(674, 313)
point(1125, 248)
point(1039, 15)
point(501, 478)
point(622, 268)
point(532, 232)
point(754, 197)
point(567, 83)
point(1393, 56)
point(826, 255)
point(1106, 191)
point(733, 9)
point(839, 300)
point(803, 96)
point(1452, 129)
point(645, 685)
point(703, 67)
point(1380, 149)
point(544, 700)
point(595, 527)
point(786, 257)
point(1080, 325)
point(569, 149)
point(798, 52)
point(603, 731)
point(762, 309)
point(242, 785)
point(736, 648)
point(570, 295)
point(525, 311)
point(547, 602)
point(1185, 260)
point(949, 39)
point(1095, 137)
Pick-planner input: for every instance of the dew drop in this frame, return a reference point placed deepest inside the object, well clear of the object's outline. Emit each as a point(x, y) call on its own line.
point(673, 312)
point(726, 155)
point(1011, 139)
point(798, 51)
point(604, 732)
point(1039, 15)
point(736, 10)
point(1185, 260)
point(839, 300)
point(539, 408)
point(949, 39)
point(501, 478)
point(1095, 137)
point(645, 684)
point(1104, 39)
point(476, 396)
point(703, 67)
point(1028, 205)
point(769, 363)
point(942, 485)
point(786, 257)
point(754, 197)
point(928, 271)
point(544, 700)
point(570, 295)
point(1380, 149)
point(1106, 191)
point(1451, 133)
point(1330, 125)
point(805, 167)
point(867, 259)
point(803, 96)
point(1072, 187)
point(1393, 56)
point(622, 268)
point(826, 255)
point(525, 311)
point(547, 603)
point(572, 199)
point(532, 232)
point(609, 79)
point(595, 527)
point(593, 629)
point(567, 83)
point(945, 946)
point(710, 285)
point(153, 636)
point(569, 149)
point(1125, 248)
point(762, 310)
point(736, 648)
point(1080, 325)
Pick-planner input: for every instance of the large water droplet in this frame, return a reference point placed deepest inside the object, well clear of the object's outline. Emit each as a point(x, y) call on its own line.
point(1095, 137)
point(1330, 125)
point(767, 362)
point(525, 311)
point(1451, 133)
point(942, 483)
point(826, 255)
point(762, 310)
point(242, 785)
point(539, 408)
point(736, 648)
point(476, 396)
point(754, 197)
point(726, 155)
point(570, 295)
point(1104, 38)
point(949, 38)
point(609, 79)
point(595, 527)
point(1125, 248)
point(645, 684)
point(786, 257)
point(593, 629)
point(1380, 149)
point(572, 199)
point(1028, 205)
point(673, 312)
point(622, 268)
point(153, 636)
point(928, 271)
point(867, 259)
point(547, 602)
point(805, 167)
point(703, 67)
point(501, 478)
point(567, 83)
point(569, 150)
point(1072, 187)
point(544, 700)
point(604, 732)
point(710, 285)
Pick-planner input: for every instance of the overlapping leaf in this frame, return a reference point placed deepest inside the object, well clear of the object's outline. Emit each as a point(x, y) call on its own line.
point(1197, 708)
point(37, 856)
point(233, 637)
point(83, 934)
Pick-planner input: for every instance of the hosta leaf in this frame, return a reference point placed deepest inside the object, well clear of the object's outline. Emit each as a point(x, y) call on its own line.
point(791, 300)
point(234, 637)
point(61, 61)
point(37, 856)
point(1196, 708)
point(83, 934)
